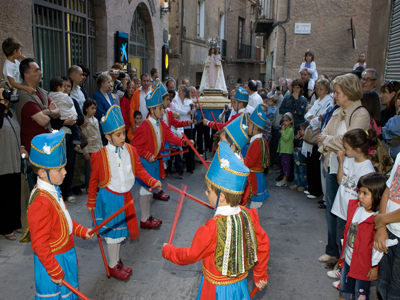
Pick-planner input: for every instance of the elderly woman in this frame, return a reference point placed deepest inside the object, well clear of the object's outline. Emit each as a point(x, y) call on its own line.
point(184, 106)
point(350, 115)
point(10, 170)
point(324, 101)
point(104, 99)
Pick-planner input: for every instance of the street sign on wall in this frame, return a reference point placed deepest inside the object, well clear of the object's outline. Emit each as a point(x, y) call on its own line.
point(302, 28)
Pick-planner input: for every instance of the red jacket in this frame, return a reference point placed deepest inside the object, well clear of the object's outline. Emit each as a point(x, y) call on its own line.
point(218, 126)
point(100, 165)
point(49, 231)
point(204, 246)
point(363, 244)
point(174, 122)
point(253, 162)
point(125, 105)
point(145, 140)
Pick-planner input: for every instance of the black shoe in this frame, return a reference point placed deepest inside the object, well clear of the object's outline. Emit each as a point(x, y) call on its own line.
point(77, 190)
point(321, 202)
point(322, 206)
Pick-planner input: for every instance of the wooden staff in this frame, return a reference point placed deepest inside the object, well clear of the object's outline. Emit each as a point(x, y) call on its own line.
point(178, 211)
point(76, 292)
point(123, 208)
point(101, 247)
point(253, 292)
point(195, 151)
point(212, 115)
point(175, 189)
point(198, 102)
point(172, 154)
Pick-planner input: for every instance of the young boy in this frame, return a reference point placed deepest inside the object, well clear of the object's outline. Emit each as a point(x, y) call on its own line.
point(239, 104)
point(115, 168)
point(50, 226)
point(137, 115)
point(12, 50)
point(300, 165)
point(271, 103)
point(387, 225)
point(235, 134)
point(228, 258)
point(67, 108)
point(149, 139)
point(257, 157)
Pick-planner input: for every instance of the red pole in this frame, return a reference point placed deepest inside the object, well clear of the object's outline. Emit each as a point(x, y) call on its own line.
point(212, 115)
point(178, 211)
point(194, 149)
point(198, 102)
point(78, 293)
point(172, 154)
point(111, 217)
point(101, 247)
point(253, 292)
point(175, 189)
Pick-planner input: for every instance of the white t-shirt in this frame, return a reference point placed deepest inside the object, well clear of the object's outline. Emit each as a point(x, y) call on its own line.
point(254, 100)
point(352, 171)
point(142, 102)
point(78, 96)
point(359, 216)
point(12, 70)
point(393, 204)
point(183, 109)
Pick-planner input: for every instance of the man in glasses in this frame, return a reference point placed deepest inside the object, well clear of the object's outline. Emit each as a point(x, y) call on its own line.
point(369, 80)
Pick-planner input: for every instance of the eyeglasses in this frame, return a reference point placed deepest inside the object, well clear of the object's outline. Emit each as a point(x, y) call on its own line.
point(367, 79)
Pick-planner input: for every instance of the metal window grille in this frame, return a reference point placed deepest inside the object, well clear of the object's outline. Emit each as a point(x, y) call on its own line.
point(63, 35)
point(392, 70)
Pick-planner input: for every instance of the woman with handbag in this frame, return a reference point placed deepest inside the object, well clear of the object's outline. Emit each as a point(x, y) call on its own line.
point(350, 115)
point(10, 170)
point(310, 147)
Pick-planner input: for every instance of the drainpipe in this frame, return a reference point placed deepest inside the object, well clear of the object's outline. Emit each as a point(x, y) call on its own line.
point(280, 23)
point(182, 15)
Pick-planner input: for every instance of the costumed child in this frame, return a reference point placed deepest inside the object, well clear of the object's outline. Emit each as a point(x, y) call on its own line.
point(150, 138)
point(239, 104)
point(115, 167)
point(235, 134)
point(257, 157)
point(359, 266)
point(50, 227)
point(285, 147)
point(241, 243)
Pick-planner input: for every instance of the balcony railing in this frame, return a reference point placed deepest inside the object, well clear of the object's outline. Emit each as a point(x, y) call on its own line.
point(248, 52)
point(223, 48)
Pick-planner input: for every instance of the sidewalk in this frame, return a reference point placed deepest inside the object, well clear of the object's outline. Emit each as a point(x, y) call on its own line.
point(295, 225)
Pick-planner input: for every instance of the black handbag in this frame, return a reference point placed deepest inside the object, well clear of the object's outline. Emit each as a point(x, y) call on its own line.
point(83, 138)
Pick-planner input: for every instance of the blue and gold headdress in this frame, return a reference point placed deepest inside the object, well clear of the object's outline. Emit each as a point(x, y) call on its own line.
point(258, 117)
point(237, 131)
point(113, 120)
point(227, 172)
point(154, 98)
point(242, 95)
point(48, 150)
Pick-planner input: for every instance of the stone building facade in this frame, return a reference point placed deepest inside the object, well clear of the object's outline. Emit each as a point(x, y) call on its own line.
point(330, 35)
point(193, 22)
point(60, 33)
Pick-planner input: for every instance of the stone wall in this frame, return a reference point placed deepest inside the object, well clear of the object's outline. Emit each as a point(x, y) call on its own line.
point(379, 36)
point(16, 22)
point(330, 37)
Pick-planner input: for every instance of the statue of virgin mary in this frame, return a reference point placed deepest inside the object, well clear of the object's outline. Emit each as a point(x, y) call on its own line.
point(213, 75)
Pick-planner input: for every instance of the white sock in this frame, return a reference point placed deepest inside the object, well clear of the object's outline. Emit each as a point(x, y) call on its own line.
point(145, 207)
point(113, 253)
point(118, 249)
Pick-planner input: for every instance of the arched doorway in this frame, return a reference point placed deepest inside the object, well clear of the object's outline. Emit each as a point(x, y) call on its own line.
point(138, 41)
